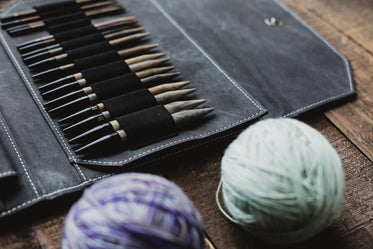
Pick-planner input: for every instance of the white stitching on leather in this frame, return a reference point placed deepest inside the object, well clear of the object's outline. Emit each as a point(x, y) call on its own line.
point(315, 104)
point(163, 11)
point(104, 176)
point(46, 115)
point(346, 63)
point(171, 143)
point(49, 194)
point(7, 173)
point(195, 44)
point(80, 171)
point(18, 154)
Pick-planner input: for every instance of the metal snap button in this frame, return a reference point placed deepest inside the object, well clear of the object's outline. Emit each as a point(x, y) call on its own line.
point(273, 21)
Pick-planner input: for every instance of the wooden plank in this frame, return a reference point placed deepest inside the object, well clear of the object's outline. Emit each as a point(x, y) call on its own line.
point(19, 238)
point(49, 231)
point(351, 18)
point(347, 26)
point(358, 212)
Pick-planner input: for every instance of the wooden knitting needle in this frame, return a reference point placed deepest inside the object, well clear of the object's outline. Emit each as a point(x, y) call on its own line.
point(82, 88)
point(118, 138)
point(66, 92)
point(90, 49)
point(100, 107)
point(58, 94)
point(35, 18)
point(34, 26)
point(64, 80)
point(74, 77)
point(90, 122)
point(121, 85)
point(112, 126)
point(56, 49)
point(74, 33)
point(86, 101)
point(62, 7)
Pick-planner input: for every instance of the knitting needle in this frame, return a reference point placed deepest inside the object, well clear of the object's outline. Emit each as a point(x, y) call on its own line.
point(100, 107)
point(74, 33)
point(66, 92)
point(34, 26)
point(82, 96)
point(75, 77)
point(119, 137)
point(18, 22)
point(86, 101)
point(120, 84)
point(113, 125)
point(56, 49)
point(89, 49)
point(62, 7)
point(114, 87)
point(90, 122)
point(58, 96)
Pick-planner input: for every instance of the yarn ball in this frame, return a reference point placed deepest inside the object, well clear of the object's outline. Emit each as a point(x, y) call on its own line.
point(133, 211)
point(282, 181)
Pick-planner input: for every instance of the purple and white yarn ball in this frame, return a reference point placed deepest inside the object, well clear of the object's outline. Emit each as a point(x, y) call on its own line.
point(133, 211)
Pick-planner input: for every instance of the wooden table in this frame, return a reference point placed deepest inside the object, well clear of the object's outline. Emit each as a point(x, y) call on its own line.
point(347, 25)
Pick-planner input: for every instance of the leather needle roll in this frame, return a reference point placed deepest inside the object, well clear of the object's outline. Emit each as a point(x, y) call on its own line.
point(113, 125)
point(78, 32)
point(100, 107)
point(124, 104)
point(118, 138)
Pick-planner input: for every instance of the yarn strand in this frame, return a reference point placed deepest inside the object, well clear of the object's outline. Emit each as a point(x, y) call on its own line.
point(220, 206)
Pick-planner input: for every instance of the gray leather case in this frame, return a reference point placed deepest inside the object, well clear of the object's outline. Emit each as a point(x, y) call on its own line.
point(244, 68)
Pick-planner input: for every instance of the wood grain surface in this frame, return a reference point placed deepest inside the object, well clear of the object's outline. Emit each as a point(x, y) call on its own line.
point(347, 25)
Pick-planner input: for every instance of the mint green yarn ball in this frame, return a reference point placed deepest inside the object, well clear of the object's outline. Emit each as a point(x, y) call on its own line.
point(282, 181)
